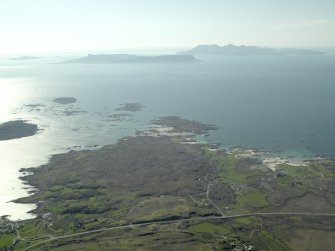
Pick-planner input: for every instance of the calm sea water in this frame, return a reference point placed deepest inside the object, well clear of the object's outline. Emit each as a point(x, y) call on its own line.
point(284, 104)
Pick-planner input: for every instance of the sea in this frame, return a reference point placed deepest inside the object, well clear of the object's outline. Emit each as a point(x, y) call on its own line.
point(280, 104)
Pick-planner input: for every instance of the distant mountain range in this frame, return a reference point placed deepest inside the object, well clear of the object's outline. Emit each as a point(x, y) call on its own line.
point(126, 58)
point(230, 49)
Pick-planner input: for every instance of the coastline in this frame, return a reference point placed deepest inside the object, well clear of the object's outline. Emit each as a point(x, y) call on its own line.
point(165, 176)
point(268, 159)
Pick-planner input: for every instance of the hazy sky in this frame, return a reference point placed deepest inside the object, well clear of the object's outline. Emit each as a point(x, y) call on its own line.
point(82, 25)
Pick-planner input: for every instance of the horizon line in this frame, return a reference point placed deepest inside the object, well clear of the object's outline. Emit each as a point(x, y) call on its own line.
point(175, 49)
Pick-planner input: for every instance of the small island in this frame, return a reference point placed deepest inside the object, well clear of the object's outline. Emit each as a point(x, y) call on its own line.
point(65, 100)
point(126, 58)
point(130, 107)
point(17, 129)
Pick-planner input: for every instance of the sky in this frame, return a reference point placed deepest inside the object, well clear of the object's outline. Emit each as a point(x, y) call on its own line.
point(28, 26)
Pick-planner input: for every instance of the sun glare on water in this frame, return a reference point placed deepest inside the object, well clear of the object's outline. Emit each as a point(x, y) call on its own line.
point(10, 96)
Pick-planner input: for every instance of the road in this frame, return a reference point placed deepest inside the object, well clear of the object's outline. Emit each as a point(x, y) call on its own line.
point(179, 220)
point(207, 195)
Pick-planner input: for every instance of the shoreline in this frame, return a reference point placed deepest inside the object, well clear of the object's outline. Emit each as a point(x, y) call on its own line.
point(187, 138)
point(268, 159)
point(174, 177)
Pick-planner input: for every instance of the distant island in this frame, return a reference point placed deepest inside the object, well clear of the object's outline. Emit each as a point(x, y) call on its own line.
point(24, 58)
point(230, 49)
point(126, 58)
point(16, 129)
point(65, 100)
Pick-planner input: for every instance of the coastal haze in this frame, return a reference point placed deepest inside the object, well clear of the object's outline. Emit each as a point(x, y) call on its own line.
point(154, 25)
point(152, 117)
